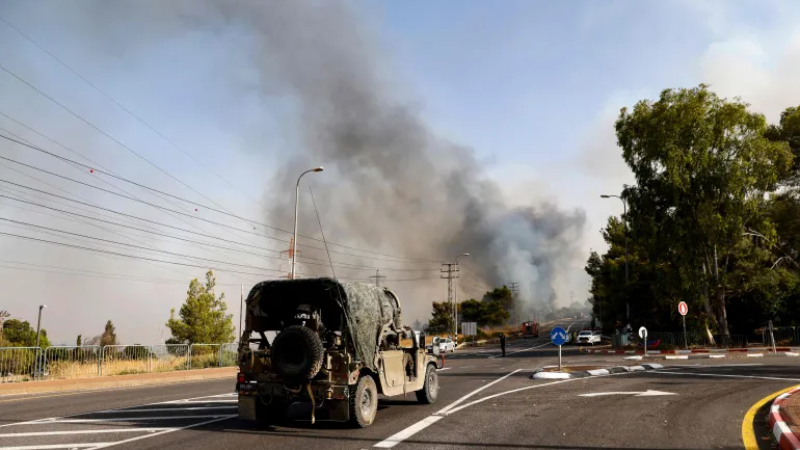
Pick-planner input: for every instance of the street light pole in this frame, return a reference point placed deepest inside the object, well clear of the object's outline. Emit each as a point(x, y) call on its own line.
point(296, 204)
point(39, 323)
point(455, 301)
point(624, 215)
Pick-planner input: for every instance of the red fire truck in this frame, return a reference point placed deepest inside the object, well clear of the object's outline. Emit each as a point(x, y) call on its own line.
point(530, 329)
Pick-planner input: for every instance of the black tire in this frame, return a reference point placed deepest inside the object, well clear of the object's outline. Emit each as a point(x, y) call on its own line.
point(363, 402)
point(430, 390)
point(297, 354)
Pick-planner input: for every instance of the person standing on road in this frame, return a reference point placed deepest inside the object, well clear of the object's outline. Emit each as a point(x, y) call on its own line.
point(503, 343)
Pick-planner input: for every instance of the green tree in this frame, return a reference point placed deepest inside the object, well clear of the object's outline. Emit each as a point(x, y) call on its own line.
point(501, 294)
point(78, 341)
point(202, 317)
point(20, 333)
point(441, 320)
point(109, 336)
point(704, 164)
point(484, 313)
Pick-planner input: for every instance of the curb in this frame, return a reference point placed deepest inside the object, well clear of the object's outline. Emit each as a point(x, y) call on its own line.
point(783, 434)
point(787, 351)
point(593, 373)
point(116, 381)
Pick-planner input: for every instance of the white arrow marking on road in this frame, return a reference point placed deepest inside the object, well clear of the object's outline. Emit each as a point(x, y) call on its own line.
point(647, 393)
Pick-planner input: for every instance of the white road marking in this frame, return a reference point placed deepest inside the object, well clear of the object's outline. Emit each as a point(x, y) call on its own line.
point(755, 355)
point(677, 357)
point(53, 446)
point(438, 370)
point(163, 432)
point(518, 351)
point(647, 393)
point(755, 377)
point(718, 356)
point(58, 433)
point(408, 432)
point(191, 408)
point(131, 419)
point(183, 402)
point(459, 401)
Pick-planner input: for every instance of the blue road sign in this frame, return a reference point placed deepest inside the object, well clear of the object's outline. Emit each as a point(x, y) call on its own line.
point(558, 336)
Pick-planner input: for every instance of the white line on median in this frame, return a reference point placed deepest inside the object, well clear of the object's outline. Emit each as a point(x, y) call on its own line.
point(457, 402)
point(408, 432)
point(132, 410)
point(755, 377)
point(58, 433)
point(54, 446)
point(163, 432)
point(128, 419)
point(518, 351)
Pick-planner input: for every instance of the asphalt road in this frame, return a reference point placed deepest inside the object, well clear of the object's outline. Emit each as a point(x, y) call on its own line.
point(485, 402)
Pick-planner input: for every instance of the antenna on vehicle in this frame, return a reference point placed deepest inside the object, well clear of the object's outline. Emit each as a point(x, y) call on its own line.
point(324, 241)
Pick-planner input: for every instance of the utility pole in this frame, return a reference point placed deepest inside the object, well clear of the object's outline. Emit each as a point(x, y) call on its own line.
point(39, 323)
point(377, 277)
point(450, 273)
point(241, 307)
point(514, 288)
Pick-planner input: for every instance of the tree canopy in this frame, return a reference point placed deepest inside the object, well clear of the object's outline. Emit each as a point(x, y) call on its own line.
point(202, 317)
point(711, 219)
point(109, 336)
point(18, 333)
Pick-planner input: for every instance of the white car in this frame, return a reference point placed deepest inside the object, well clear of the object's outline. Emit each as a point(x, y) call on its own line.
point(588, 337)
point(445, 345)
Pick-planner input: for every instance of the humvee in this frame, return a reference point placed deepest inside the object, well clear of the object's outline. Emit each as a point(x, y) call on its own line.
point(335, 346)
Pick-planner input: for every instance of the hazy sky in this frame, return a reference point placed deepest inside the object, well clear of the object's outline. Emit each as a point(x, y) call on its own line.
point(532, 87)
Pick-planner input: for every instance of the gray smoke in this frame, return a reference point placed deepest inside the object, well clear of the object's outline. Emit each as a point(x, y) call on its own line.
point(390, 184)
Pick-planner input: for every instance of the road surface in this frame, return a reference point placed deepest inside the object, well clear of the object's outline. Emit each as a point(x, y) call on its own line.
point(485, 402)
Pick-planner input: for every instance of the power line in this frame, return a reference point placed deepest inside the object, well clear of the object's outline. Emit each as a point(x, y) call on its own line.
point(73, 165)
point(261, 255)
point(78, 116)
point(205, 207)
point(176, 212)
point(140, 120)
point(62, 244)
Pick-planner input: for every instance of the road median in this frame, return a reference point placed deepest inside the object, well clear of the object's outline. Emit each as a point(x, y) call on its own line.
point(116, 381)
point(784, 420)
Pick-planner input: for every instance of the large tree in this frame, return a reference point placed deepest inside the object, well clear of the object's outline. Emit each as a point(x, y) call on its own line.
point(19, 333)
point(441, 320)
point(109, 336)
point(202, 318)
point(703, 164)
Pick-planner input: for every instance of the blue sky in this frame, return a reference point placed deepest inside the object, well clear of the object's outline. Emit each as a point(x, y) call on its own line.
point(532, 87)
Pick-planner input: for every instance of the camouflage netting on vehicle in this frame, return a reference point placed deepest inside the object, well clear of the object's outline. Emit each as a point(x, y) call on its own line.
point(365, 308)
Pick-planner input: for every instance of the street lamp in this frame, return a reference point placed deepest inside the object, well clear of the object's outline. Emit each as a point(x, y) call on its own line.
point(296, 203)
point(455, 301)
point(39, 323)
point(624, 213)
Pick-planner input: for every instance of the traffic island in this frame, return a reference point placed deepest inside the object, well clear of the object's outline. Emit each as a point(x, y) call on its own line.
point(552, 373)
point(784, 420)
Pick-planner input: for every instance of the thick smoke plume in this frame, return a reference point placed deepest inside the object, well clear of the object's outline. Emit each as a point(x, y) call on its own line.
point(390, 183)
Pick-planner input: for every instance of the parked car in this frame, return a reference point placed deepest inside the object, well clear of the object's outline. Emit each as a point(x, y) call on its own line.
point(589, 337)
point(445, 345)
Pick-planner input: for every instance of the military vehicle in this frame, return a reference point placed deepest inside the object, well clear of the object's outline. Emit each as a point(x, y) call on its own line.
point(335, 347)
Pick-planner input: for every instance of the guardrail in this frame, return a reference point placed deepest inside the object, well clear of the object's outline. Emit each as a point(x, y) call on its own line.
point(21, 364)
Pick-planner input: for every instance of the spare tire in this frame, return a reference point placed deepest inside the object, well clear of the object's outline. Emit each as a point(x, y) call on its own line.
point(297, 353)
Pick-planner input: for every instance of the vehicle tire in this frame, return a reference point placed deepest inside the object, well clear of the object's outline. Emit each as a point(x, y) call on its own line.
point(363, 402)
point(297, 354)
point(430, 390)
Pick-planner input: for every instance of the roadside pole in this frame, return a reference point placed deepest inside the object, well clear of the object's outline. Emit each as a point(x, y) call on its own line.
point(559, 358)
point(683, 309)
point(685, 341)
point(772, 338)
point(558, 336)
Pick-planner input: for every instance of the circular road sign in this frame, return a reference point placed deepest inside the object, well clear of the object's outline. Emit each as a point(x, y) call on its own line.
point(643, 333)
point(683, 308)
point(558, 336)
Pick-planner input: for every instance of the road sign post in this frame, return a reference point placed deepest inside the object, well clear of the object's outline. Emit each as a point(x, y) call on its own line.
point(558, 336)
point(683, 309)
point(643, 335)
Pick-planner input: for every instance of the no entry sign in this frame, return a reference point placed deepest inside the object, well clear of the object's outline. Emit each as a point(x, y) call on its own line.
point(683, 308)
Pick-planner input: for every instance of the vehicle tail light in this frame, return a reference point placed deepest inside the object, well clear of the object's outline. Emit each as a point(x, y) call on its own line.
point(240, 378)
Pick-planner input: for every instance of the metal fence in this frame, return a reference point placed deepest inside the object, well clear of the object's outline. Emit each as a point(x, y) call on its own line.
point(784, 336)
point(18, 364)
